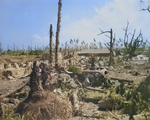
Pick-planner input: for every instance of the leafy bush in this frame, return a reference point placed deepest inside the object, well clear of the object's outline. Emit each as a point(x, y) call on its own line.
point(118, 61)
point(116, 100)
point(38, 52)
point(117, 51)
point(8, 113)
point(138, 100)
point(104, 82)
point(74, 69)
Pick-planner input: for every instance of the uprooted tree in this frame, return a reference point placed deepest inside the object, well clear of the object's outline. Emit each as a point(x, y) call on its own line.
point(42, 104)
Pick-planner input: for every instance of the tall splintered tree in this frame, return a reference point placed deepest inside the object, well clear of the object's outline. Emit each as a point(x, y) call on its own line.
point(51, 43)
point(57, 34)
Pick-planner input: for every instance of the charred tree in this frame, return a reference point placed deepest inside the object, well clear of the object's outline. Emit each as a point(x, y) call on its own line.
point(51, 43)
point(57, 34)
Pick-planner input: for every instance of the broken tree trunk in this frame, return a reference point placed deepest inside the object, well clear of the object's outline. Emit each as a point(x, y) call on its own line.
point(93, 60)
point(51, 43)
point(57, 34)
point(111, 47)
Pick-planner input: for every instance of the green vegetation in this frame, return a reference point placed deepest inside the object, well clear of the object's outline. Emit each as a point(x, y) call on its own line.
point(133, 100)
point(9, 114)
point(21, 52)
point(74, 69)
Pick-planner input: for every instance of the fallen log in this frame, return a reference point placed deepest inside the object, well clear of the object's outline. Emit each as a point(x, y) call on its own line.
point(121, 80)
point(102, 72)
point(25, 82)
point(94, 89)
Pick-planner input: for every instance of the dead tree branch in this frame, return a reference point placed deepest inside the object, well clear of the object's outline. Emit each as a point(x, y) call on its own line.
point(144, 9)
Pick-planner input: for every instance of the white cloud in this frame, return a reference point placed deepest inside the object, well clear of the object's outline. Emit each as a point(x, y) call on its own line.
point(65, 17)
point(113, 15)
point(39, 39)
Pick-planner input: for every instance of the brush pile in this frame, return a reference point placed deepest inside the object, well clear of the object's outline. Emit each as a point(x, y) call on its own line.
point(42, 104)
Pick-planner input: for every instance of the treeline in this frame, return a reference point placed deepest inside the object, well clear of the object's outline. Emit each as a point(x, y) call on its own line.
point(74, 45)
point(24, 51)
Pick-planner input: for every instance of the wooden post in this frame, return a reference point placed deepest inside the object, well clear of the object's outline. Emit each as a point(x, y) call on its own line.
point(51, 43)
point(111, 46)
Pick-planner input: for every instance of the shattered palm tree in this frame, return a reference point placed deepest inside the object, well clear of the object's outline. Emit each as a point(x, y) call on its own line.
point(42, 104)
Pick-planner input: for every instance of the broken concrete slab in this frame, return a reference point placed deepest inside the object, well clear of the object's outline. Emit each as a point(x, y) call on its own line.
point(16, 65)
point(17, 73)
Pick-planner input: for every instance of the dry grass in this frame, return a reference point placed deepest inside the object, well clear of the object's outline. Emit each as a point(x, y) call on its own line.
point(21, 58)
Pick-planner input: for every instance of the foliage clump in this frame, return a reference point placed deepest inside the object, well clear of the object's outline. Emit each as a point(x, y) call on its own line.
point(74, 69)
point(7, 112)
point(102, 81)
point(138, 100)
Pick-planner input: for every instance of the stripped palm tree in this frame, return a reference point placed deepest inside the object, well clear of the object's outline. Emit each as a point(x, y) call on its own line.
point(57, 34)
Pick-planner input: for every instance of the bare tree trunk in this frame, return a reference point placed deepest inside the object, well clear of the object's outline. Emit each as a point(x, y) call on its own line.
point(93, 61)
point(51, 43)
point(57, 34)
point(111, 46)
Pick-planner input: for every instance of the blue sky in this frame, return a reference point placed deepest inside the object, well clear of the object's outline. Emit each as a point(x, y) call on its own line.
point(26, 22)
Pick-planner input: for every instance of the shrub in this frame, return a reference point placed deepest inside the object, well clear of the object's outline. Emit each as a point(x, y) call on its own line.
point(117, 51)
point(138, 100)
point(74, 69)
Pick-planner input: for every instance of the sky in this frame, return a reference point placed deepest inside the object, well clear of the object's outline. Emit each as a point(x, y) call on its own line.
point(27, 22)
